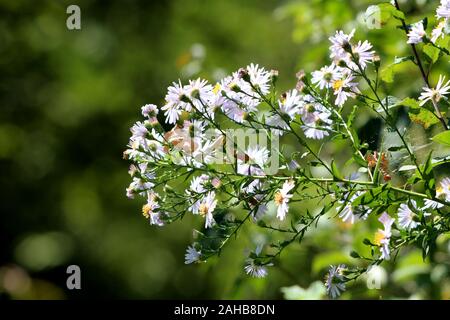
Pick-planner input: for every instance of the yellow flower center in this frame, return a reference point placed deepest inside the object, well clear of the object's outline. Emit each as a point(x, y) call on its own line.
point(440, 191)
point(379, 236)
point(338, 84)
point(146, 210)
point(216, 88)
point(203, 209)
point(278, 198)
point(135, 145)
point(436, 95)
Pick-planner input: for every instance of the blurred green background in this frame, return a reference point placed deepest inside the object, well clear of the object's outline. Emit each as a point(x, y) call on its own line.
point(67, 101)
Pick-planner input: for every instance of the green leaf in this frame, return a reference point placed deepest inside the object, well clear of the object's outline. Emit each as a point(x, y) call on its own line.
point(335, 171)
point(431, 52)
point(369, 196)
point(409, 102)
point(410, 266)
point(352, 116)
point(324, 260)
point(398, 60)
point(359, 159)
point(387, 73)
point(377, 16)
point(396, 148)
point(442, 138)
point(423, 116)
point(418, 114)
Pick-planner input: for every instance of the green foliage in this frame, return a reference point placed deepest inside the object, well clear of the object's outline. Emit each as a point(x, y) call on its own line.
point(382, 13)
point(387, 73)
point(68, 101)
point(442, 138)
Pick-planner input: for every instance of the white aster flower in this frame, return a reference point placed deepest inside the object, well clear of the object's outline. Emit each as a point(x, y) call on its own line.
point(172, 113)
point(255, 270)
point(416, 33)
point(436, 94)
point(192, 255)
point(443, 11)
point(289, 107)
point(383, 236)
point(318, 127)
point(350, 213)
point(177, 100)
point(431, 204)
point(255, 192)
point(282, 197)
point(289, 103)
point(233, 111)
point(443, 190)
point(150, 210)
point(334, 281)
point(138, 186)
point(149, 110)
point(438, 32)
point(237, 98)
point(309, 107)
point(259, 77)
point(138, 130)
point(340, 45)
point(156, 149)
point(197, 188)
point(240, 92)
point(345, 88)
point(198, 183)
point(406, 216)
point(363, 53)
point(325, 77)
point(206, 208)
point(252, 163)
point(201, 94)
point(138, 138)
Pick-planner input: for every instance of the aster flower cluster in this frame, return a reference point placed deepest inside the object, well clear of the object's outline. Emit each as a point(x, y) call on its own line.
point(418, 34)
point(191, 156)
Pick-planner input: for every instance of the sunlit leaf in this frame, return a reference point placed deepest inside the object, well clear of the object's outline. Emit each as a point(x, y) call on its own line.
point(442, 138)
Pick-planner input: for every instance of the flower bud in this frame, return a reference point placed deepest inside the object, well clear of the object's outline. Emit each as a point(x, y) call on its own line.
point(185, 98)
point(341, 63)
point(216, 183)
point(347, 46)
point(376, 61)
point(300, 75)
point(243, 74)
point(132, 170)
point(234, 87)
point(273, 76)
